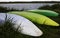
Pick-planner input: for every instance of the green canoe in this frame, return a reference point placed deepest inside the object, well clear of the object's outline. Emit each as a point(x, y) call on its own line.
point(38, 18)
point(45, 12)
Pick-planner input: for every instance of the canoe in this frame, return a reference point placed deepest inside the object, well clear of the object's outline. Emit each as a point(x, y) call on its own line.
point(25, 26)
point(38, 18)
point(45, 12)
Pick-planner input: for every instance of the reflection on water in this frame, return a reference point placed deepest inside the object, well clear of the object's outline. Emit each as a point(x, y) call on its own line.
point(25, 5)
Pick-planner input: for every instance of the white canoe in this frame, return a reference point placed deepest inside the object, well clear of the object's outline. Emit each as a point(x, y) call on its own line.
point(25, 26)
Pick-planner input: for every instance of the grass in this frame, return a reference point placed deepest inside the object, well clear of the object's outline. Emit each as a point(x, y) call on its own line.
point(7, 31)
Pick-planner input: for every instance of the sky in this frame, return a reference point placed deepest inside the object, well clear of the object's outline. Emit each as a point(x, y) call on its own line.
point(28, 6)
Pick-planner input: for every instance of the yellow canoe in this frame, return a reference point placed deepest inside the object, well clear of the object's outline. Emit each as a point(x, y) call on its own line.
point(34, 17)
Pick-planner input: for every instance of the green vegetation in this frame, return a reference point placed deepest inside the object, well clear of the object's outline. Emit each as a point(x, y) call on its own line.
point(7, 31)
point(55, 7)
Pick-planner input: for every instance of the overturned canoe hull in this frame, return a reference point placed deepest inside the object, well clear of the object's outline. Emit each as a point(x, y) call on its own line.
point(45, 12)
point(25, 26)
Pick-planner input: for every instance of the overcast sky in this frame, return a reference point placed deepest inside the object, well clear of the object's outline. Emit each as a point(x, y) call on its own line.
point(25, 5)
